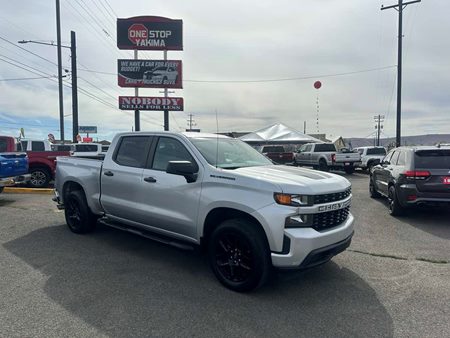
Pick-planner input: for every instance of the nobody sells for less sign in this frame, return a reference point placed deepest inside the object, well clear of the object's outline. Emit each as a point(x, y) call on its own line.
point(151, 103)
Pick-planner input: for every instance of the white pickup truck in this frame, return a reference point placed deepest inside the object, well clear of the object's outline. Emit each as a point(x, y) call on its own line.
point(188, 189)
point(325, 156)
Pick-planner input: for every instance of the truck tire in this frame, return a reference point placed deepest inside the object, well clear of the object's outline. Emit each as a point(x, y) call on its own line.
point(395, 209)
point(79, 217)
point(239, 255)
point(1, 189)
point(323, 166)
point(373, 190)
point(40, 177)
point(349, 170)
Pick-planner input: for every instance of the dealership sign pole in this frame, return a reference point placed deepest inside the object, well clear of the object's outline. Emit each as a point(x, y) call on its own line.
point(137, 117)
point(150, 33)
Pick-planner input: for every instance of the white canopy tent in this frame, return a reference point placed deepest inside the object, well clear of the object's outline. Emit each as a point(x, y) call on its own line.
point(278, 134)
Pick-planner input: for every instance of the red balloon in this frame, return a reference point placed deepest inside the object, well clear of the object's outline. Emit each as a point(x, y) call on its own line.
point(317, 84)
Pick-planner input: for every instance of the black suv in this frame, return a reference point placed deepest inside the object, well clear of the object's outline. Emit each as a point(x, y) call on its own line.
point(410, 176)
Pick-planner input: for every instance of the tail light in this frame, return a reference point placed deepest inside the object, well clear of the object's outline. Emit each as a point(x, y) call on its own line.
point(333, 157)
point(417, 174)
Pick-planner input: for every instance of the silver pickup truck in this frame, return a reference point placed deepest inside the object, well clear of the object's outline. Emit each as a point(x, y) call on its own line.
point(325, 156)
point(194, 189)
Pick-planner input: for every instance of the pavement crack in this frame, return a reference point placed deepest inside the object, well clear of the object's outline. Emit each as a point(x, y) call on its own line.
point(420, 259)
point(379, 255)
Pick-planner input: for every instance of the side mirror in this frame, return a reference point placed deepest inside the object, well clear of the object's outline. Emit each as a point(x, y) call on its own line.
point(183, 168)
point(385, 163)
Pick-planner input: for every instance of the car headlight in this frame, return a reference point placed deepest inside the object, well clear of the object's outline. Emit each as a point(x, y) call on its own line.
point(293, 200)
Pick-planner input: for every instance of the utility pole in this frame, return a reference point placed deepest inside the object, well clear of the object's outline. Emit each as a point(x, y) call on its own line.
point(60, 83)
point(73, 52)
point(191, 122)
point(304, 127)
point(378, 120)
point(399, 8)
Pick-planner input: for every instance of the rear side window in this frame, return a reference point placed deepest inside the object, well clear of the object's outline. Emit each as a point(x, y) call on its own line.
point(402, 158)
point(37, 146)
point(376, 151)
point(3, 145)
point(324, 148)
point(395, 157)
point(133, 151)
point(432, 159)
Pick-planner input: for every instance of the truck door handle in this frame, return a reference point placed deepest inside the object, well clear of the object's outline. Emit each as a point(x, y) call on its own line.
point(109, 173)
point(150, 179)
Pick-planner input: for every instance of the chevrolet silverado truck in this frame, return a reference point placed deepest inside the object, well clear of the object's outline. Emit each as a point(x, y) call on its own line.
point(325, 156)
point(13, 165)
point(212, 191)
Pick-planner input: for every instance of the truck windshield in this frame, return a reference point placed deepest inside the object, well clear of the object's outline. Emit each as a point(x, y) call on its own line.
point(229, 153)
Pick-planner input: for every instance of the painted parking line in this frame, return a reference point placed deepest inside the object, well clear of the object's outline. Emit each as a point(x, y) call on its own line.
point(15, 190)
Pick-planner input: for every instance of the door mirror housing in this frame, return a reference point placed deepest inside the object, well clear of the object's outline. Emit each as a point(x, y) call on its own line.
point(385, 163)
point(183, 168)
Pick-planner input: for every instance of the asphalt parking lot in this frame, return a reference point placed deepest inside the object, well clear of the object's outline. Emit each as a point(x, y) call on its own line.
point(394, 281)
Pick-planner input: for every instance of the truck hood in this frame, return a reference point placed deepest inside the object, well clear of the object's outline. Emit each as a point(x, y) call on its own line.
point(296, 180)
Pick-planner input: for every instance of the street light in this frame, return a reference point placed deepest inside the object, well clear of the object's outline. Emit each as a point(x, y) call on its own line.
point(73, 52)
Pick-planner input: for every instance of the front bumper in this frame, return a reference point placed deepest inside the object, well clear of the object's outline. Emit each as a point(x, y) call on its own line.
point(309, 247)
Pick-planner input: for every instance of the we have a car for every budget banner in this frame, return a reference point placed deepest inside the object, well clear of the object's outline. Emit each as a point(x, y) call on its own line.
point(151, 103)
point(150, 73)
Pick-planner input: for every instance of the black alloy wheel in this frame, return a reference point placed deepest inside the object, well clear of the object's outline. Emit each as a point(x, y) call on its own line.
point(395, 209)
point(79, 217)
point(234, 257)
point(239, 255)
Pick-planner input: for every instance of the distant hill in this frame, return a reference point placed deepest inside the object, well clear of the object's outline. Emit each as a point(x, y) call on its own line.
point(418, 140)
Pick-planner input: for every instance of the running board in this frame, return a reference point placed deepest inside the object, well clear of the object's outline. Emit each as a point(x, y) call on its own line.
point(148, 234)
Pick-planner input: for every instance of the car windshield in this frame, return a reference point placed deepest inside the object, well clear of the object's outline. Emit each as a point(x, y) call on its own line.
point(376, 151)
point(229, 153)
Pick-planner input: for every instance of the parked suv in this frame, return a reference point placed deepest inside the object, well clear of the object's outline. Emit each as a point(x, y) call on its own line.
point(411, 176)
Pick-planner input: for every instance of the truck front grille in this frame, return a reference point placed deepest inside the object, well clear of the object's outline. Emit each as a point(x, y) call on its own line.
point(329, 219)
point(327, 198)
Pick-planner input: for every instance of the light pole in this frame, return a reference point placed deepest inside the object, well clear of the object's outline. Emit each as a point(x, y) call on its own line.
point(73, 52)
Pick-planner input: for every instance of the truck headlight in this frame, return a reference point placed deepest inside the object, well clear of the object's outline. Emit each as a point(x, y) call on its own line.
point(293, 200)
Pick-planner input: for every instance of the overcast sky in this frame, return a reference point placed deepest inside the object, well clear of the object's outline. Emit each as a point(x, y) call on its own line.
point(238, 41)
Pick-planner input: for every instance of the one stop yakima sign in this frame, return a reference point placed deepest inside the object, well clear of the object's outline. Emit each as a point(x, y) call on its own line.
point(150, 33)
point(150, 103)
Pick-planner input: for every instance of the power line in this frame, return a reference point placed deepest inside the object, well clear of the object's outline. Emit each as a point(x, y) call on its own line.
point(268, 80)
point(26, 50)
point(27, 78)
point(112, 10)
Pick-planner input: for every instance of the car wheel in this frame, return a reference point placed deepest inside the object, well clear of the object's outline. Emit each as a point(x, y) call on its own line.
point(239, 255)
point(40, 177)
point(323, 165)
point(79, 217)
point(373, 190)
point(349, 170)
point(395, 209)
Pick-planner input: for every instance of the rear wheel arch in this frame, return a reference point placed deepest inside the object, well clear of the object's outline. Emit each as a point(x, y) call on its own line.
point(71, 186)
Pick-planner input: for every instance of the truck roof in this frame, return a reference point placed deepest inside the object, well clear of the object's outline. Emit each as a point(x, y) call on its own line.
point(186, 134)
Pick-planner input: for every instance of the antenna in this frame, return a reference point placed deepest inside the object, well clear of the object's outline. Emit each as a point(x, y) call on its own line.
point(217, 142)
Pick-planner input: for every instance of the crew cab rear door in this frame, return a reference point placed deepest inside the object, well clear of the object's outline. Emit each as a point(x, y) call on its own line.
point(432, 169)
point(171, 203)
point(121, 179)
